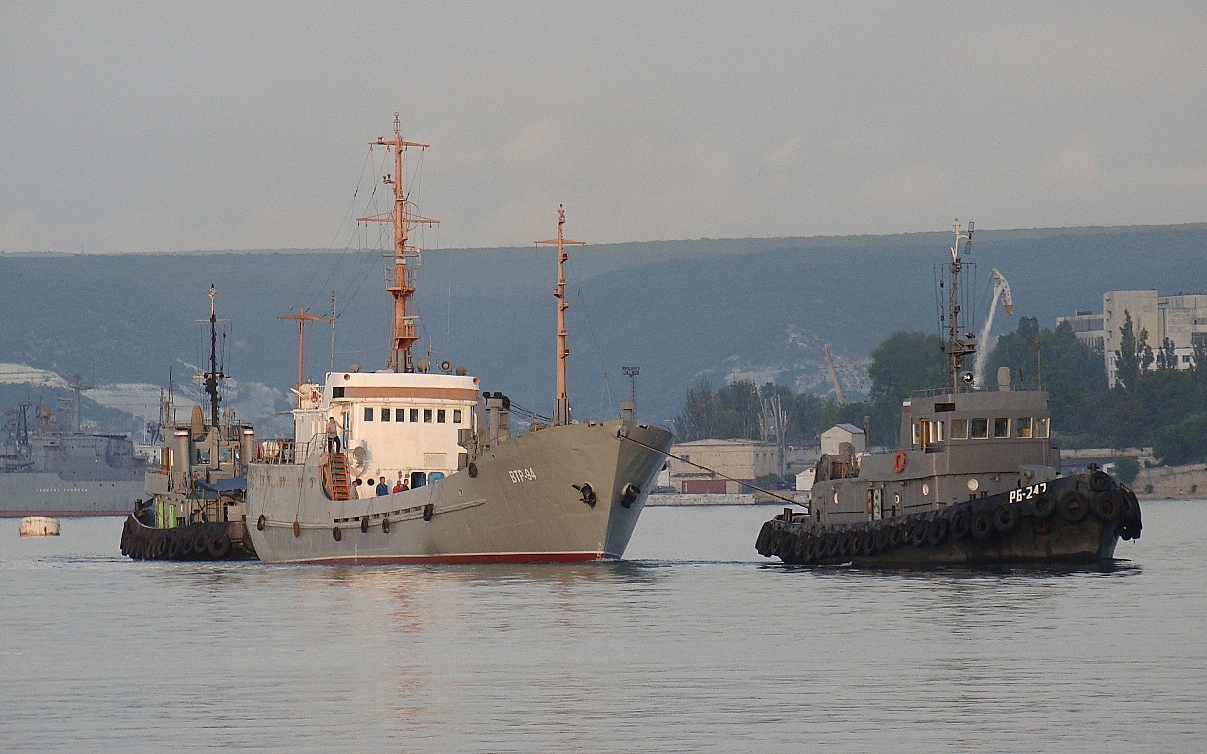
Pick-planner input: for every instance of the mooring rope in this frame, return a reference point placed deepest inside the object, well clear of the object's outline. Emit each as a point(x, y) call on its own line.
point(668, 454)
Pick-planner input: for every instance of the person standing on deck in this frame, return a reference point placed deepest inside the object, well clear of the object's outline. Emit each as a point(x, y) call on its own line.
point(382, 487)
point(332, 435)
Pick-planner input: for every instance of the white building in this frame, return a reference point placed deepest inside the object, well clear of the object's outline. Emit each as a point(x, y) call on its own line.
point(1182, 318)
point(844, 439)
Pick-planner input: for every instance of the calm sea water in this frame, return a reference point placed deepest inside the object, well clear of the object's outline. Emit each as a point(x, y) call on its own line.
point(694, 644)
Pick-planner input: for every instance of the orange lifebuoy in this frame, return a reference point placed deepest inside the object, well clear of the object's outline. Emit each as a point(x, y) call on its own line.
point(899, 461)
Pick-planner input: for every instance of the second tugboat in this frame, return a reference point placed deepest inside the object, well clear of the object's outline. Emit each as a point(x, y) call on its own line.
point(976, 481)
point(193, 507)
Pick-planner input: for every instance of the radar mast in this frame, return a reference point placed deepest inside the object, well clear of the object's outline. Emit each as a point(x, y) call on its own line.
point(401, 284)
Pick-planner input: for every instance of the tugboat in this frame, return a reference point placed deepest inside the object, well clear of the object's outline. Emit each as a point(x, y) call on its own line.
point(448, 482)
point(975, 481)
point(194, 500)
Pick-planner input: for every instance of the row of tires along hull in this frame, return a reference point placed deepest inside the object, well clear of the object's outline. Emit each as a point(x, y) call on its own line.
point(1078, 524)
point(197, 541)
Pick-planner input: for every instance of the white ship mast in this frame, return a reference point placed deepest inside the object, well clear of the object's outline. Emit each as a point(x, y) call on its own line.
point(959, 344)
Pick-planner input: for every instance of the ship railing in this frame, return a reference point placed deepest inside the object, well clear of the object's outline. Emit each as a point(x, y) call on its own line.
point(287, 451)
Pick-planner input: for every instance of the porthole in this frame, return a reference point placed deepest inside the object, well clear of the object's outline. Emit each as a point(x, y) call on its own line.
point(925, 488)
point(973, 485)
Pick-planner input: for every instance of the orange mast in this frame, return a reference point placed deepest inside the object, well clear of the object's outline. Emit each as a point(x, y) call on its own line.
point(302, 317)
point(404, 216)
point(561, 404)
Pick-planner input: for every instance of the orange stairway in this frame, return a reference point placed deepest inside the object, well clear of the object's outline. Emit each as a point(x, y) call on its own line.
point(338, 470)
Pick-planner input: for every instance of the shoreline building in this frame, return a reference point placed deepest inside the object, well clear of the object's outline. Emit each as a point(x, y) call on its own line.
point(1182, 318)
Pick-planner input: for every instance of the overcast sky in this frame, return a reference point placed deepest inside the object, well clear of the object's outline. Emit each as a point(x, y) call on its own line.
point(183, 126)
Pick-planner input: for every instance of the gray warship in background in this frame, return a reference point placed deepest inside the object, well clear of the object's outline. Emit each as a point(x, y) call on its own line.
point(56, 469)
point(459, 487)
point(975, 481)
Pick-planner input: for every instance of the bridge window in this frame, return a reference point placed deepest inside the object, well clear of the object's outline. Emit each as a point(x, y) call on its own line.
point(456, 416)
point(400, 414)
point(368, 414)
point(418, 479)
point(1025, 426)
point(1001, 427)
point(959, 429)
point(427, 416)
point(980, 429)
point(440, 416)
point(385, 414)
point(1041, 429)
point(414, 414)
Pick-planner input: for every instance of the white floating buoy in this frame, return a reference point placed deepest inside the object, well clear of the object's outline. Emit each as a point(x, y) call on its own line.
point(39, 526)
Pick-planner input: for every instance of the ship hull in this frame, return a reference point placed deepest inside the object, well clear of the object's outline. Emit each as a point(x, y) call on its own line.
point(48, 494)
point(562, 494)
point(1073, 520)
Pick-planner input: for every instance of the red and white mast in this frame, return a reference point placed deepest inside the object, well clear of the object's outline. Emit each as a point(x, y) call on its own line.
point(405, 215)
point(561, 403)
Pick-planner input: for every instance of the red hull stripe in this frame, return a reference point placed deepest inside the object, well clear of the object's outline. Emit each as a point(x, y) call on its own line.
point(486, 557)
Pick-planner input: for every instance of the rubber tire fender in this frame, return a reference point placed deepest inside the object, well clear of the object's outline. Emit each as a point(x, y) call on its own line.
point(868, 538)
point(1100, 481)
point(201, 543)
point(844, 543)
point(982, 525)
point(1106, 506)
point(920, 533)
point(764, 538)
point(937, 531)
point(175, 545)
point(219, 545)
point(1073, 506)
point(961, 524)
point(1006, 518)
point(1043, 506)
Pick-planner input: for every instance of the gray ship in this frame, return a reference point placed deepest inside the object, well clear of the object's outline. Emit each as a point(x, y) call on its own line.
point(57, 470)
point(448, 482)
point(975, 481)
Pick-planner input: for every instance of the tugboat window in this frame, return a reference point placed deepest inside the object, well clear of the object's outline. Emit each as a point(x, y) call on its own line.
point(368, 414)
point(937, 432)
point(1043, 428)
point(1024, 426)
point(980, 429)
point(917, 435)
point(1001, 427)
point(418, 479)
point(959, 429)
